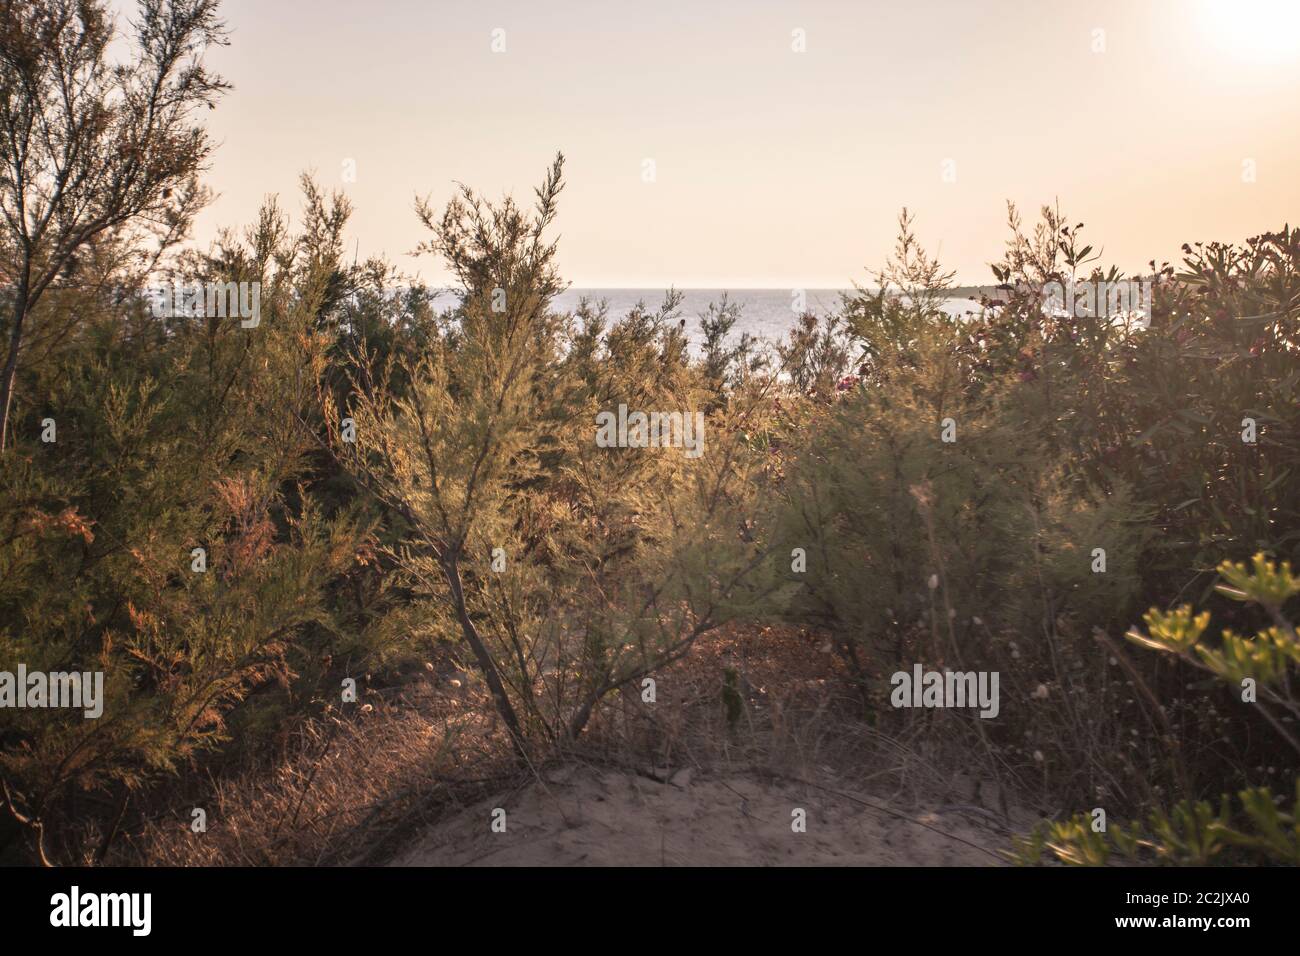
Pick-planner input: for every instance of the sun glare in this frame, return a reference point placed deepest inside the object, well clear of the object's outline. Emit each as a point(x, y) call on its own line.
point(1265, 31)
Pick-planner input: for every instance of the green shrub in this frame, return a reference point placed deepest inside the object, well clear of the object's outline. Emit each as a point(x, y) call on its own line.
point(171, 434)
point(1258, 827)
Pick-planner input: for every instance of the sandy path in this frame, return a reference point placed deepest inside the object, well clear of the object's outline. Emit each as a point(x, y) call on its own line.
point(588, 817)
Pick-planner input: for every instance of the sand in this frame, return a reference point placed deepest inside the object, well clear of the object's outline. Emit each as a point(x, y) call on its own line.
point(587, 816)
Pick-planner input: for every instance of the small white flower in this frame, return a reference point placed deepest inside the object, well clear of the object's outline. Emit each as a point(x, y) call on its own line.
point(934, 581)
point(1038, 756)
point(1040, 692)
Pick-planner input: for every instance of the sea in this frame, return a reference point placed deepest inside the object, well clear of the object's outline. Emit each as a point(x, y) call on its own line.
point(764, 313)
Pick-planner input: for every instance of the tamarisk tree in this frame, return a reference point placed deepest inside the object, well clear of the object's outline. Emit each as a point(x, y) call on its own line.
point(567, 569)
point(88, 146)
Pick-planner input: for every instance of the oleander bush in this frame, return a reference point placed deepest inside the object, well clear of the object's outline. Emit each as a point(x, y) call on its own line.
point(1004, 492)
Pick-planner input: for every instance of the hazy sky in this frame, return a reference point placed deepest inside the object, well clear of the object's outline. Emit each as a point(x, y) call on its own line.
point(771, 167)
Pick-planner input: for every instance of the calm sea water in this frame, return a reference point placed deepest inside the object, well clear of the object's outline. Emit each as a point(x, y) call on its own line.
point(768, 313)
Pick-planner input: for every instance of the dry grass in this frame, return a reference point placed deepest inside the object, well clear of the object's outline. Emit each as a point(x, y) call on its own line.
point(347, 786)
point(354, 788)
point(801, 718)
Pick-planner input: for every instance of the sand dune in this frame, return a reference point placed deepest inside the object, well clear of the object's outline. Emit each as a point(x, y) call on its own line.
point(584, 816)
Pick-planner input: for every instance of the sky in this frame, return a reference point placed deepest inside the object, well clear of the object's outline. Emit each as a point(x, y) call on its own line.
point(769, 143)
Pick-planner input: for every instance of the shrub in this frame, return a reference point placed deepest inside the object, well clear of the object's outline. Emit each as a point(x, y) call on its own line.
point(172, 434)
point(1259, 827)
point(568, 570)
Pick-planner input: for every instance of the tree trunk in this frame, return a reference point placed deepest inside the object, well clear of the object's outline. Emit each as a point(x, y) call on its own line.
point(485, 662)
point(11, 363)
